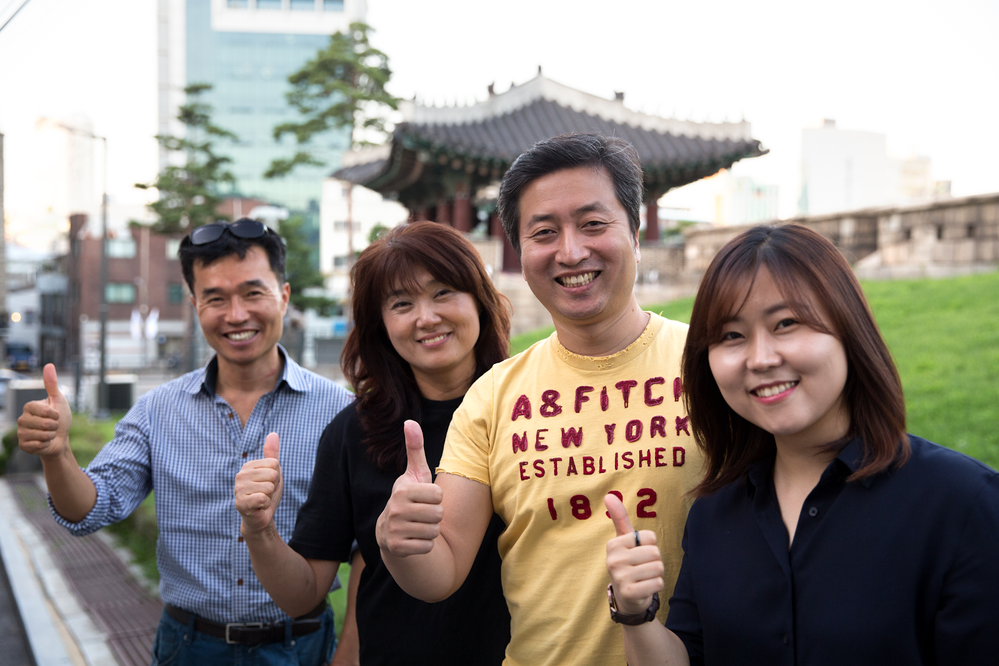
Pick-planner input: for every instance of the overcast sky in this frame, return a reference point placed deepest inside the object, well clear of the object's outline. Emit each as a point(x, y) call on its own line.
point(922, 73)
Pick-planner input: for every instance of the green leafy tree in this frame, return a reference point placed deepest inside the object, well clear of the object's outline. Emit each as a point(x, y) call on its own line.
point(189, 194)
point(300, 272)
point(343, 87)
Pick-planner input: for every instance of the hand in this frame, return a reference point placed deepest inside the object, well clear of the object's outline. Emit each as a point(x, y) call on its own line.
point(43, 427)
point(258, 489)
point(411, 519)
point(636, 572)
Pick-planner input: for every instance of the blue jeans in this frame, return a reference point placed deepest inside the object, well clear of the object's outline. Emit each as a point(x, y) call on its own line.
point(179, 645)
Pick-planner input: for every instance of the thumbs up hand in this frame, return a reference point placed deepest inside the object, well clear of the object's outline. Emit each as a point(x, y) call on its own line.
point(43, 427)
point(633, 561)
point(259, 485)
point(411, 519)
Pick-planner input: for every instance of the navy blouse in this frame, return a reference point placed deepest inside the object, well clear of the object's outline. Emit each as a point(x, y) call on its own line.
point(901, 568)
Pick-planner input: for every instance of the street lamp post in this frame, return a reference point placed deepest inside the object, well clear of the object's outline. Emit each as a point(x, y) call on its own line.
point(102, 391)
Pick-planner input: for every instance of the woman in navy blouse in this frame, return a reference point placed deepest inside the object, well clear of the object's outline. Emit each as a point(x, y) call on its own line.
point(822, 532)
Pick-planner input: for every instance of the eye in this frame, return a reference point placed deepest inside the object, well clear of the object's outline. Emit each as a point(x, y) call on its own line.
point(730, 335)
point(444, 291)
point(786, 322)
point(398, 305)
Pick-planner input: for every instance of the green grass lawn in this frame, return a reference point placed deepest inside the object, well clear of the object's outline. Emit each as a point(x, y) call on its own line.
point(944, 335)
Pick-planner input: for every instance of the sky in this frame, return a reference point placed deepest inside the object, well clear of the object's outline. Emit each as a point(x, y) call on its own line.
point(921, 72)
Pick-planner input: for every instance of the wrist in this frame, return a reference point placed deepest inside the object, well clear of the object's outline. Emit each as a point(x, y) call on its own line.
point(648, 615)
point(264, 534)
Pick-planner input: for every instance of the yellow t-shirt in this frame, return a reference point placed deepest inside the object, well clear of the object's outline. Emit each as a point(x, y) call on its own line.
point(551, 432)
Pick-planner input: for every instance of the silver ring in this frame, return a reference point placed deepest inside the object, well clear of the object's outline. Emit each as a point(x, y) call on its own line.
point(637, 543)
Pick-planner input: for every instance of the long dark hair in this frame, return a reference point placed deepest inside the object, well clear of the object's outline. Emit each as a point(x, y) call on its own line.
point(802, 264)
point(386, 389)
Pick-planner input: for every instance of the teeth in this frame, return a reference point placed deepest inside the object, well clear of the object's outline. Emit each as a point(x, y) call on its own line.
point(771, 391)
point(245, 335)
point(578, 280)
point(430, 341)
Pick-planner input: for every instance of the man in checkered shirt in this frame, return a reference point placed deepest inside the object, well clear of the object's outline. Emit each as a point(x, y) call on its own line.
point(187, 439)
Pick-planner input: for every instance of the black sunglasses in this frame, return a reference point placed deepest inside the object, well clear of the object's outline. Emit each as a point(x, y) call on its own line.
point(244, 228)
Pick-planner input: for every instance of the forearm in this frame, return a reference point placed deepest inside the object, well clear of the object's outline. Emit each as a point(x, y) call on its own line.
point(73, 493)
point(288, 577)
point(652, 644)
point(430, 577)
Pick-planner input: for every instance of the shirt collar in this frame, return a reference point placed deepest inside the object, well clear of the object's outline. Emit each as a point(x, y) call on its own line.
point(849, 460)
point(204, 378)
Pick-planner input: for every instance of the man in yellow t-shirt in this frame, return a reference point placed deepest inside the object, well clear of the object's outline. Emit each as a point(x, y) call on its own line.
point(542, 437)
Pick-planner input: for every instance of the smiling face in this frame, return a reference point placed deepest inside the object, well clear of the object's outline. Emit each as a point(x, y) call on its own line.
point(578, 253)
point(781, 375)
point(240, 305)
point(434, 328)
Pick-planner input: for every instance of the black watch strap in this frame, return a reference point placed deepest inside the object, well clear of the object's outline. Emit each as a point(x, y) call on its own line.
point(638, 618)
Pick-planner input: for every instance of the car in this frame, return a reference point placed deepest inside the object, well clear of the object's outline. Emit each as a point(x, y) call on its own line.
point(20, 356)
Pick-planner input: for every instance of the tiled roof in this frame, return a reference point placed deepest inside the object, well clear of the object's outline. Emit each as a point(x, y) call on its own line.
point(491, 134)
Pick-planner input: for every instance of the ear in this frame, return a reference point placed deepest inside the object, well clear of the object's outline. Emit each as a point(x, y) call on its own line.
point(285, 297)
point(638, 249)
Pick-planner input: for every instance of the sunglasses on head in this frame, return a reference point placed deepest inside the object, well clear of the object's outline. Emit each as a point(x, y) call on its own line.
point(244, 228)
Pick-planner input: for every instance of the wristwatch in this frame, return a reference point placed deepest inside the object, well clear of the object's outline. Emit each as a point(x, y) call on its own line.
point(638, 618)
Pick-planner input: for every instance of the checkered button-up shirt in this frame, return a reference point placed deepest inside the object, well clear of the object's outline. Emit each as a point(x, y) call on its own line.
point(186, 443)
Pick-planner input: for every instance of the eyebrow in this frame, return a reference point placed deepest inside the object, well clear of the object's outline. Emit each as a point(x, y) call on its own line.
point(596, 206)
point(210, 291)
point(395, 293)
point(777, 307)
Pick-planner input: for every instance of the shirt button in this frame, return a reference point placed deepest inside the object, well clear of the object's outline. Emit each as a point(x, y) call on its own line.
point(244, 454)
point(813, 512)
point(231, 415)
point(787, 639)
point(240, 582)
point(239, 539)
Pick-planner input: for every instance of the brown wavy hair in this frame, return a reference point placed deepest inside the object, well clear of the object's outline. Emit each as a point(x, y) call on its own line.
point(386, 389)
point(803, 265)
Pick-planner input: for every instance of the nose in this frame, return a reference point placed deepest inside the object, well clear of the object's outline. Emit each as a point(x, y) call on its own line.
point(426, 314)
point(572, 247)
point(236, 312)
point(762, 353)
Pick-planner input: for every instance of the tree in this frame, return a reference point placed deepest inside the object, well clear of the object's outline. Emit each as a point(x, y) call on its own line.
point(343, 87)
point(189, 195)
point(299, 271)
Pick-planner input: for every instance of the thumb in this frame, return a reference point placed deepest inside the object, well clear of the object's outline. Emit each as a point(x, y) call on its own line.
point(51, 381)
point(271, 446)
point(416, 465)
point(622, 524)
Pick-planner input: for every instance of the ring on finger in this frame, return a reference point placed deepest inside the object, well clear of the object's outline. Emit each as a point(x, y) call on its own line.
point(637, 542)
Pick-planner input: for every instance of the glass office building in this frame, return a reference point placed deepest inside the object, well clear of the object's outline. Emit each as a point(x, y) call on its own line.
point(246, 49)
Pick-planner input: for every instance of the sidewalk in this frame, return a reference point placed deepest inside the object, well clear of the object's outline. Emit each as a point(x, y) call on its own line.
point(87, 609)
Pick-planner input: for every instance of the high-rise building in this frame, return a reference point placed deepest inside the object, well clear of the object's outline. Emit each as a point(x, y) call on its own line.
point(246, 49)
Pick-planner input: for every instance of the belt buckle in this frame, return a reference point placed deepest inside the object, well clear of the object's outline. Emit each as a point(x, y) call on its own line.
point(240, 625)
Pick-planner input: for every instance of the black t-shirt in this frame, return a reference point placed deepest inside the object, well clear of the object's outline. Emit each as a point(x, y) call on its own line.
point(347, 495)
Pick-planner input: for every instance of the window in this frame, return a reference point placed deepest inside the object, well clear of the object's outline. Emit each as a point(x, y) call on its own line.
point(972, 230)
point(940, 232)
point(341, 225)
point(121, 248)
point(340, 262)
point(303, 4)
point(333, 5)
point(173, 248)
point(175, 293)
point(237, 4)
point(268, 4)
point(119, 292)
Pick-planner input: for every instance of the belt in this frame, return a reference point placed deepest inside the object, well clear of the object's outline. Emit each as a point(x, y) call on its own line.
point(251, 633)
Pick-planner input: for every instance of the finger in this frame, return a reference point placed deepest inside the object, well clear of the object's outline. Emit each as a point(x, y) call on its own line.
point(416, 466)
point(618, 514)
point(271, 446)
point(51, 381)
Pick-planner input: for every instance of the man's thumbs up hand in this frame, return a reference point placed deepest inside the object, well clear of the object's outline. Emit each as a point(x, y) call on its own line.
point(633, 561)
point(258, 489)
point(43, 427)
point(411, 519)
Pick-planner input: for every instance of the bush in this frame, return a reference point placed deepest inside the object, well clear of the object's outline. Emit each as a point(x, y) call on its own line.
point(7, 449)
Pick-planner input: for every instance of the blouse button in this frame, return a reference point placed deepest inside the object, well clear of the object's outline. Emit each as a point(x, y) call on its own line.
point(787, 639)
point(813, 512)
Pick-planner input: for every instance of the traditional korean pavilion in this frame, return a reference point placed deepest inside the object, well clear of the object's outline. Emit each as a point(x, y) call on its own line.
point(444, 163)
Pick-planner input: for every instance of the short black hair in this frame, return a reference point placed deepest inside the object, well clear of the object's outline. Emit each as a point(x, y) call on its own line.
point(568, 151)
point(228, 244)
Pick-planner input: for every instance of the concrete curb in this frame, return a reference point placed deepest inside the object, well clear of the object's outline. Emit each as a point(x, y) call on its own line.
point(46, 601)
